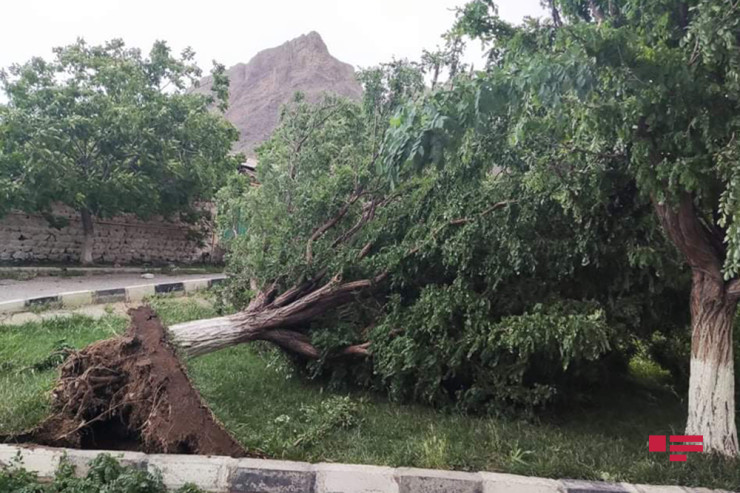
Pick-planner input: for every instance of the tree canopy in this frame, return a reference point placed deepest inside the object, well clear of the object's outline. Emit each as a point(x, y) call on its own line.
point(633, 90)
point(107, 130)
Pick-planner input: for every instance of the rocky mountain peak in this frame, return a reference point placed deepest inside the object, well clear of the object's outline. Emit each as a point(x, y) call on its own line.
point(271, 78)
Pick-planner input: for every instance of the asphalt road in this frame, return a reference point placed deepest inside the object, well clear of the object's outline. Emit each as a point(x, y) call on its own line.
point(11, 289)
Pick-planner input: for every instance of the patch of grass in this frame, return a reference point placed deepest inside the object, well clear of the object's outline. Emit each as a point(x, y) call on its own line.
point(175, 309)
point(44, 307)
point(18, 275)
point(24, 382)
point(648, 371)
point(260, 402)
point(253, 392)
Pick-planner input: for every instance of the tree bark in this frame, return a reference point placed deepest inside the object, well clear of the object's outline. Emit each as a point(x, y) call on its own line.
point(711, 411)
point(712, 378)
point(86, 253)
point(206, 336)
point(280, 320)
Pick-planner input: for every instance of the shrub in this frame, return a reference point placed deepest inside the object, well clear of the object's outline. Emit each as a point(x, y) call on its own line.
point(106, 475)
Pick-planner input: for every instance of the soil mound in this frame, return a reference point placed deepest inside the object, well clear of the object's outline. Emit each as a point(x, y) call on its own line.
point(131, 393)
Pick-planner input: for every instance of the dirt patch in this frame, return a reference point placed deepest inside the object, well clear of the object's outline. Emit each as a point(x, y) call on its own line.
point(131, 393)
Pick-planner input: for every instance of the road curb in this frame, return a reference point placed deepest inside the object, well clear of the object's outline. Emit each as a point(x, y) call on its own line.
point(40, 270)
point(225, 474)
point(131, 294)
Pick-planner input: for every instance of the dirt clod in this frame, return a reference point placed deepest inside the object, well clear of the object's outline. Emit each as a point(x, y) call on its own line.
point(131, 393)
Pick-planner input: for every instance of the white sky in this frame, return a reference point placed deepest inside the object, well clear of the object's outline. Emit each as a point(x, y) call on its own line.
point(359, 32)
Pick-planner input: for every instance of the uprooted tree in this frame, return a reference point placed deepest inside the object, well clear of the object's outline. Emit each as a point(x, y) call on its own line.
point(647, 91)
point(106, 130)
point(466, 283)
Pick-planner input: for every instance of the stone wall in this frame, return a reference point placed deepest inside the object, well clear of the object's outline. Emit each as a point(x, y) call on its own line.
point(28, 238)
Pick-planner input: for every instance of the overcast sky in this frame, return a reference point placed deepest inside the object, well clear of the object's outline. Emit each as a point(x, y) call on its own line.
point(359, 32)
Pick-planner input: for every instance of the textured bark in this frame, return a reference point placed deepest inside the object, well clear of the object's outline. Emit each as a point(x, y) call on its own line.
point(711, 410)
point(279, 320)
point(86, 253)
point(712, 378)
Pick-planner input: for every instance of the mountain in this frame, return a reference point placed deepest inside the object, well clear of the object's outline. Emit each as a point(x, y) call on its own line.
point(271, 78)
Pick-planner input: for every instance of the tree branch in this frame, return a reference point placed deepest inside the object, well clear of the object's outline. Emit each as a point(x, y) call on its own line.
point(263, 297)
point(684, 228)
point(319, 232)
point(300, 344)
point(733, 289)
point(464, 220)
point(291, 294)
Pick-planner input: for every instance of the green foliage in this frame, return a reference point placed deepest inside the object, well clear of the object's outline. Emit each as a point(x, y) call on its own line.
point(517, 360)
point(62, 350)
point(629, 103)
point(332, 414)
point(632, 90)
point(106, 130)
point(316, 160)
point(505, 288)
point(106, 474)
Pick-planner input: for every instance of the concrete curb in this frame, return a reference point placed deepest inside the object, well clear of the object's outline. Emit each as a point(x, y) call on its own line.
point(227, 475)
point(93, 271)
point(131, 294)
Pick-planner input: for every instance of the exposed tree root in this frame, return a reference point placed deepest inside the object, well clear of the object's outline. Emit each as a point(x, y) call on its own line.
point(131, 393)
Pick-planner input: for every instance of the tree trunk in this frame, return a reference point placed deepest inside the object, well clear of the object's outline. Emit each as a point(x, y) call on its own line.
point(280, 320)
point(86, 253)
point(711, 410)
point(712, 378)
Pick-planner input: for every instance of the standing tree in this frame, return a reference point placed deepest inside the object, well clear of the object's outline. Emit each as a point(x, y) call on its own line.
point(652, 87)
point(104, 130)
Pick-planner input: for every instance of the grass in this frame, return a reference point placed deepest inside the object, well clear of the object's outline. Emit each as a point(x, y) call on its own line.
point(266, 407)
point(24, 390)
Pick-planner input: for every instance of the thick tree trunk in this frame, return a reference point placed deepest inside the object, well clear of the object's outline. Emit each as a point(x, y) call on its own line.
point(277, 319)
point(86, 254)
point(711, 410)
point(205, 336)
point(712, 379)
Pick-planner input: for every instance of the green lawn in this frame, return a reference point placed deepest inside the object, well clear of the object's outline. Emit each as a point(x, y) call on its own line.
point(253, 392)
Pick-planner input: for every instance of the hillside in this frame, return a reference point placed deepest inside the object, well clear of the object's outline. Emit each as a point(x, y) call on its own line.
point(271, 78)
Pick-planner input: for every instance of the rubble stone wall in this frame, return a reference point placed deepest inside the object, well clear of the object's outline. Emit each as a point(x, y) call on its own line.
point(28, 238)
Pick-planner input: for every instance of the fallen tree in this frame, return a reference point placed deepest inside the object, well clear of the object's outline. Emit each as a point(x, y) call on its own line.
point(464, 284)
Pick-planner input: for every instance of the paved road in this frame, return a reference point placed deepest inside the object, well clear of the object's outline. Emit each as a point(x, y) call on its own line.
point(95, 311)
point(11, 289)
